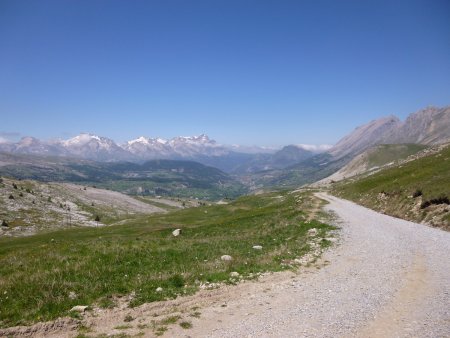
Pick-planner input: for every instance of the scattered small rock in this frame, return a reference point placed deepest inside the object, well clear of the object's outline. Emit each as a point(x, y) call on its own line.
point(312, 232)
point(79, 308)
point(226, 258)
point(234, 274)
point(72, 295)
point(176, 232)
point(159, 289)
point(257, 247)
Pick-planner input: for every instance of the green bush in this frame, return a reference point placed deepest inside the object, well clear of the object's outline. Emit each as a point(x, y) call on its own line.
point(177, 281)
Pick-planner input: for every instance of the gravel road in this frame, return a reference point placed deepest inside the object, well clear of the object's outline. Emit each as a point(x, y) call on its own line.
point(387, 278)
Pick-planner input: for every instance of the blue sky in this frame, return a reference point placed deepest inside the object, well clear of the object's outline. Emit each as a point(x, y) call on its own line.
point(246, 72)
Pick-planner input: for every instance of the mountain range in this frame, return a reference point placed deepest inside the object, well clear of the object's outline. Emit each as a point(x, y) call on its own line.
point(93, 147)
point(291, 165)
point(195, 148)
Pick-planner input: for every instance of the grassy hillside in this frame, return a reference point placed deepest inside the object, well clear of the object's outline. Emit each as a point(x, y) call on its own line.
point(386, 153)
point(374, 158)
point(417, 190)
point(42, 277)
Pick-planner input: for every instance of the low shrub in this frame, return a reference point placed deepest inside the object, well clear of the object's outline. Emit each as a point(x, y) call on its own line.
point(417, 193)
point(435, 201)
point(177, 281)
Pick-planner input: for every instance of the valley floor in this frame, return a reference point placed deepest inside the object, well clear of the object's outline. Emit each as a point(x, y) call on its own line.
point(386, 278)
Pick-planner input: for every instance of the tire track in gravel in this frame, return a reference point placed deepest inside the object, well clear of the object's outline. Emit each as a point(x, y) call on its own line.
point(392, 318)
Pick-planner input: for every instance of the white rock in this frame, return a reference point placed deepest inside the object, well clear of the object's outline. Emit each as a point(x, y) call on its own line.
point(234, 274)
point(79, 308)
point(226, 258)
point(159, 289)
point(257, 247)
point(312, 232)
point(176, 232)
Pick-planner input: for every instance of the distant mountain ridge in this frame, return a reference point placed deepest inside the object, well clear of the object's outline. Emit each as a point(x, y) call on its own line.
point(93, 147)
point(428, 126)
point(290, 165)
point(365, 136)
point(195, 148)
point(178, 147)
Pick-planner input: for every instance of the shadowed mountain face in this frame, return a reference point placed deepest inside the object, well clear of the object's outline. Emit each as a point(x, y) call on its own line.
point(283, 158)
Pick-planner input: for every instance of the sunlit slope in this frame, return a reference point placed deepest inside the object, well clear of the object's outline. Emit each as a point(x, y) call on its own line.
point(417, 190)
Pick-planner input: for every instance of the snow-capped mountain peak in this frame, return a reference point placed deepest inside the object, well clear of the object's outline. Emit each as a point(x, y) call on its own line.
point(139, 140)
point(83, 139)
point(202, 139)
point(147, 141)
point(161, 140)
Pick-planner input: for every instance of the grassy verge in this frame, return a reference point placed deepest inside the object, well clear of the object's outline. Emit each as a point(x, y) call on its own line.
point(44, 276)
point(404, 191)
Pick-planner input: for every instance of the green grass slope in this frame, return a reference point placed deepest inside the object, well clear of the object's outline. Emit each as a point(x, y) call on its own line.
point(386, 153)
point(417, 190)
point(42, 277)
point(374, 158)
